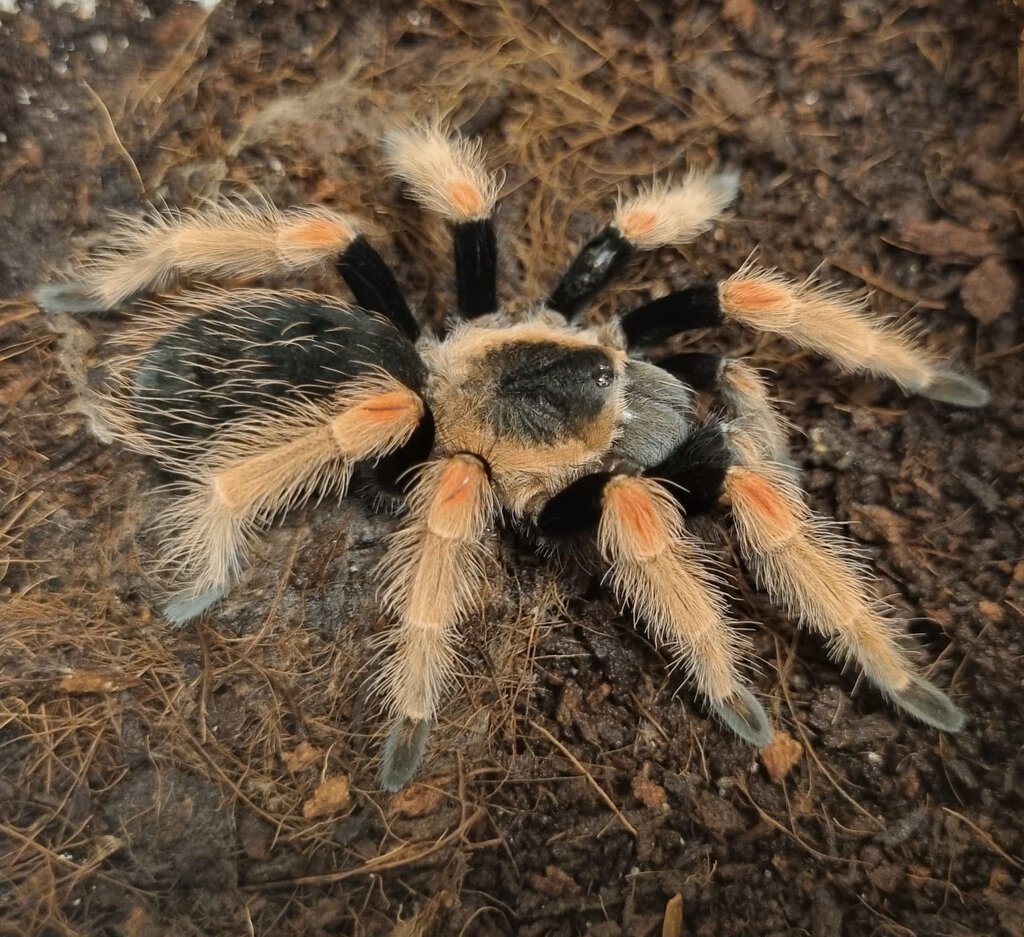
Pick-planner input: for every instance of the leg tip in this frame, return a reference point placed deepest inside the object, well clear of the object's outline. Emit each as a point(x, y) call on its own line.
point(926, 702)
point(746, 717)
point(958, 389)
point(184, 606)
point(403, 752)
point(67, 297)
point(725, 186)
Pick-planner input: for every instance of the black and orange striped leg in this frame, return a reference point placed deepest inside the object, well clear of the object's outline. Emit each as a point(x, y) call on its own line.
point(434, 570)
point(446, 174)
point(815, 317)
point(801, 562)
point(658, 215)
point(658, 569)
point(258, 468)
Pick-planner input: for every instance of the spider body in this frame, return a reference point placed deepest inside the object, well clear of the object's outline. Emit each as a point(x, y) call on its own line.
point(258, 400)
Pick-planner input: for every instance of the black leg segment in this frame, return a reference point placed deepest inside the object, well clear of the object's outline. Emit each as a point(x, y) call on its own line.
point(696, 470)
point(697, 369)
point(393, 472)
point(576, 509)
point(476, 267)
point(696, 307)
point(374, 285)
point(597, 263)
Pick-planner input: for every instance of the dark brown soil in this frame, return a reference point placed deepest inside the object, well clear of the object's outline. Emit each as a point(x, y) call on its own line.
point(154, 783)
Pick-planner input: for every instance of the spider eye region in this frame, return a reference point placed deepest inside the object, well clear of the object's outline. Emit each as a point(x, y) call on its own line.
point(544, 391)
point(603, 375)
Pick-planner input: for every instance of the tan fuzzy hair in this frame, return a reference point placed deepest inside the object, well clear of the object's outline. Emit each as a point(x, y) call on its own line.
point(223, 239)
point(814, 574)
point(665, 576)
point(434, 572)
point(265, 466)
point(753, 413)
point(837, 325)
point(444, 172)
point(675, 213)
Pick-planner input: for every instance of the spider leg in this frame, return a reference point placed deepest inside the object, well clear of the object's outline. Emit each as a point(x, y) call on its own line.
point(809, 569)
point(659, 215)
point(663, 574)
point(434, 571)
point(801, 563)
point(812, 316)
point(446, 174)
point(261, 467)
point(746, 396)
point(230, 239)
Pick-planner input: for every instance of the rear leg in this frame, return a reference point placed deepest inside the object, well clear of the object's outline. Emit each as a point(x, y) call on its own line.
point(258, 469)
point(802, 563)
point(810, 571)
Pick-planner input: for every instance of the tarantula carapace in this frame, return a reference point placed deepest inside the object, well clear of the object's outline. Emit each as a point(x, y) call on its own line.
point(258, 399)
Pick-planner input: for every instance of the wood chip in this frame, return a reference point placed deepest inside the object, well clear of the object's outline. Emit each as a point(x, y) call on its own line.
point(989, 290)
point(945, 240)
point(421, 799)
point(97, 681)
point(673, 923)
point(554, 882)
point(331, 797)
point(781, 755)
point(651, 795)
point(301, 757)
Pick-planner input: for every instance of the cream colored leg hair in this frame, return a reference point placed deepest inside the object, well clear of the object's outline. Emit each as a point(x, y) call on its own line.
point(445, 173)
point(836, 325)
point(224, 239)
point(257, 470)
point(764, 429)
point(664, 577)
point(808, 569)
point(434, 572)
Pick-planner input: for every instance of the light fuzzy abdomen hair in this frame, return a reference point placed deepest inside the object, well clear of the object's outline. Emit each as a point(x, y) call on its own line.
point(250, 353)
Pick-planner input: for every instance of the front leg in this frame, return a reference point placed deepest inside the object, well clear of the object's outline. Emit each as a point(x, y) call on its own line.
point(434, 572)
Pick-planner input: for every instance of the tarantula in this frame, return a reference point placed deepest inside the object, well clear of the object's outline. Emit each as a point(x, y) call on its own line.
point(260, 399)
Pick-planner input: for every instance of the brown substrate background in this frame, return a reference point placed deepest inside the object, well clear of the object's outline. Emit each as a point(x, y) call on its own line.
point(157, 783)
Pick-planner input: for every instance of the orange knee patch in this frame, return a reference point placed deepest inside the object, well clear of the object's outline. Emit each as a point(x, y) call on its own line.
point(459, 499)
point(323, 233)
point(466, 198)
point(378, 423)
point(760, 503)
point(752, 299)
point(638, 223)
point(313, 239)
point(396, 406)
point(634, 519)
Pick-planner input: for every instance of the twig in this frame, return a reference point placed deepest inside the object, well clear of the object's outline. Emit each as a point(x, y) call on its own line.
point(578, 765)
point(987, 839)
point(887, 286)
point(116, 140)
point(399, 856)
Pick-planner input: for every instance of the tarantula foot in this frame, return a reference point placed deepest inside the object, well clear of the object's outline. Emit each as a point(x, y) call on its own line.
point(186, 605)
point(746, 717)
point(402, 752)
point(928, 703)
point(959, 389)
point(67, 297)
